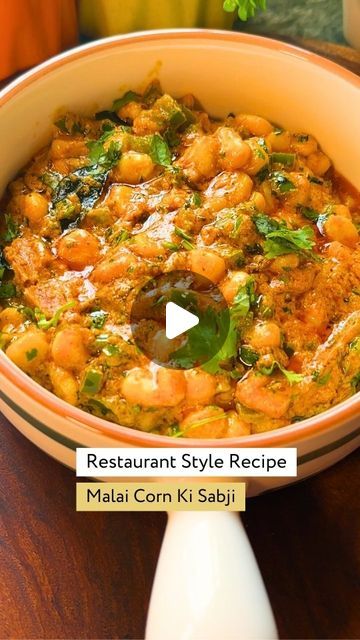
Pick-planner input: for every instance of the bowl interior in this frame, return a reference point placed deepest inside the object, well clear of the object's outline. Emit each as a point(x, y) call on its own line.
point(227, 72)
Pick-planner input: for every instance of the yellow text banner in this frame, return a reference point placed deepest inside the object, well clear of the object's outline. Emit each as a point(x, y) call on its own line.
point(160, 496)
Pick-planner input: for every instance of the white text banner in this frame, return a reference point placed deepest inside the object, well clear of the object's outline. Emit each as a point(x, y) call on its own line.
point(186, 462)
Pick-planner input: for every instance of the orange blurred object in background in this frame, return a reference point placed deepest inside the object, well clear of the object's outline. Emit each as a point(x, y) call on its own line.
point(33, 30)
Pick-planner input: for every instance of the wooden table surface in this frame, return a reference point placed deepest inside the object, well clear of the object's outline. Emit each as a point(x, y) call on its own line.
point(88, 575)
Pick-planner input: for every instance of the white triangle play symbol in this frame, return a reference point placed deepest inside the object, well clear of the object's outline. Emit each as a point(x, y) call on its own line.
point(178, 320)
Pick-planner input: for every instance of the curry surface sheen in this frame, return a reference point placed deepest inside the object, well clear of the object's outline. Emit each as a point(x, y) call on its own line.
point(155, 185)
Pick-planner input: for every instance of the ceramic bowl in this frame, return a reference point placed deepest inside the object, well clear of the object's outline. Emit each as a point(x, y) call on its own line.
point(227, 72)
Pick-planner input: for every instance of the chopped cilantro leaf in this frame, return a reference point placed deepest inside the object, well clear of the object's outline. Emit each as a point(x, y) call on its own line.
point(129, 96)
point(64, 128)
point(159, 151)
point(213, 330)
point(321, 379)
point(7, 290)
point(217, 332)
point(12, 229)
point(30, 355)
point(281, 183)
point(228, 349)
point(285, 241)
point(310, 214)
point(264, 224)
point(244, 300)
point(98, 155)
point(281, 240)
point(248, 356)
point(88, 181)
point(291, 376)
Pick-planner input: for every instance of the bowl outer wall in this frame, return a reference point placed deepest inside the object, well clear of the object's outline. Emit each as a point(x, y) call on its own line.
point(59, 435)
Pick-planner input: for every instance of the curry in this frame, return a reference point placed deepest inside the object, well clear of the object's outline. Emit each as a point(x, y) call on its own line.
point(154, 185)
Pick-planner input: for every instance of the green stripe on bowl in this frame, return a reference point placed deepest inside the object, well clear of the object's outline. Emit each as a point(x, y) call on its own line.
point(307, 457)
point(72, 444)
point(40, 426)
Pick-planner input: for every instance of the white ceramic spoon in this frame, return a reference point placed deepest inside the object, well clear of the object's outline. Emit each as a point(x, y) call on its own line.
point(207, 584)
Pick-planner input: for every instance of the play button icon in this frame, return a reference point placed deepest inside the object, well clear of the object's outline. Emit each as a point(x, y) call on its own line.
point(178, 320)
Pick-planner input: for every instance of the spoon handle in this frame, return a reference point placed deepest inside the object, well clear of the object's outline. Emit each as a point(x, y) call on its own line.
point(208, 584)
